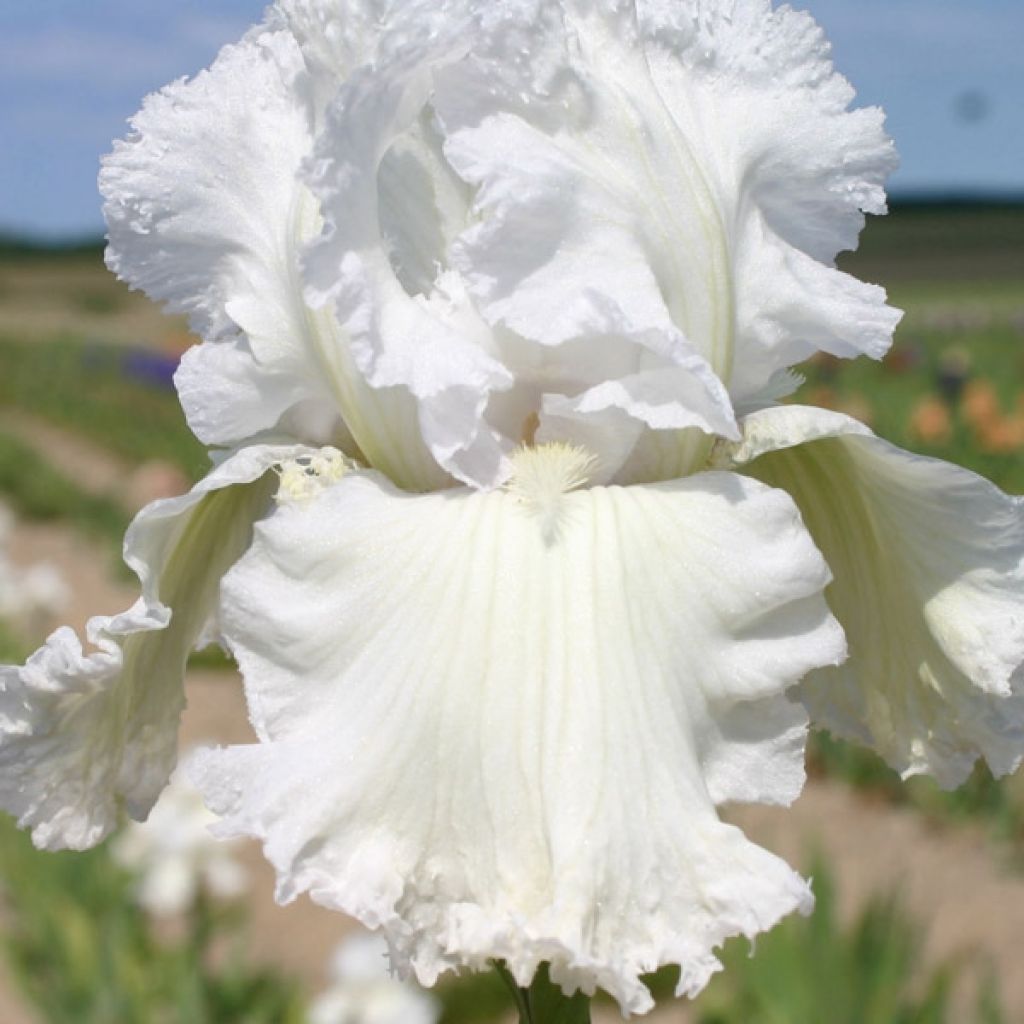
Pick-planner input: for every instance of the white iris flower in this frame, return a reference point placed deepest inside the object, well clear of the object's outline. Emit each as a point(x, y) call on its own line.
point(505, 291)
point(174, 855)
point(33, 595)
point(362, 990)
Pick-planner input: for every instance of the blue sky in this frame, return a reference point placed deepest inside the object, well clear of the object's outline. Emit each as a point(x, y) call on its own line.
point(949, 73)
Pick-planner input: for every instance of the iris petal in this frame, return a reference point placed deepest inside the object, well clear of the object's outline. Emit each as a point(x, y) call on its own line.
point(85, 733)
point(207, 212)
point(499, 740)
point(929, 585)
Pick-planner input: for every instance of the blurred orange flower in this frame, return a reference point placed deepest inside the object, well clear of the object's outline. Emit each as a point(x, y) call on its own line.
point(980, 404)
point(930, 421)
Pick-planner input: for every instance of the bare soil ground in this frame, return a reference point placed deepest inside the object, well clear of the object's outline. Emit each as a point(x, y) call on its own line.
point(93, 468)
point(86, 566)
point(42, 298)
point(12, 1010)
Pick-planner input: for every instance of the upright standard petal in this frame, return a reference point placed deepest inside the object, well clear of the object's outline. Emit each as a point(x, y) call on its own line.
point(647, 163)
point(928, 561)
point(496, 725)
point(85, 733)
point(352, 271)
point(794, 168)
point(204, 211)
point(510, 177)
point(207, 211)
point(596, 224)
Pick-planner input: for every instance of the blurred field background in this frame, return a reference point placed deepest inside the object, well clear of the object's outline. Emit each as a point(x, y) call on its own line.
point(920, 894)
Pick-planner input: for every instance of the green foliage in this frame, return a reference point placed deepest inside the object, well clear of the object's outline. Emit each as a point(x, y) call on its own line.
point(38, 491)
point(889, 390)
point(473, 998)
point(99, 301)
point(84, 388)
point(942, 242)
point(83, 953)
point(12, 650)
point(19, 249)
point(543, 1002)
point(212, 659)
point(809, 970)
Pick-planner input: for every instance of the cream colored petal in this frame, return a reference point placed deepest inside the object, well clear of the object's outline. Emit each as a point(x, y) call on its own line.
point(85, 733)
point(497, 739)
point(929, 585)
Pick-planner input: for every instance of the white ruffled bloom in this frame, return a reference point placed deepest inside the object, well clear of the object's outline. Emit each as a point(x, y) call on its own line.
point(174, 854)
point(506, 292)
point(363, 990)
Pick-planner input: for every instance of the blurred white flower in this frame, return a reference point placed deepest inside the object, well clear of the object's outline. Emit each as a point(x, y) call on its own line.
point(44, 589)
point(505, 293)
point(175, 856)
point(28, 595)
point(363, 990)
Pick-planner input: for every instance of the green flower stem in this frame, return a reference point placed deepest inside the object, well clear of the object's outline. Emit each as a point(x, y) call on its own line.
point(543, 1002)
